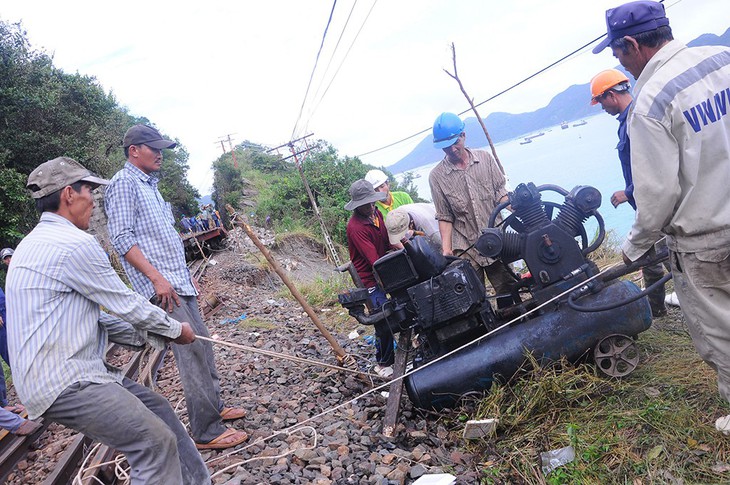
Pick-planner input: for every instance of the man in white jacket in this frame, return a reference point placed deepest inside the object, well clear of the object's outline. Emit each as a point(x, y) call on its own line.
point(680, 158)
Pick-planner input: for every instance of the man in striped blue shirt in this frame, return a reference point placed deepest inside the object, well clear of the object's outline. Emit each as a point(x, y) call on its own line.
point(142, 230)
point(59, 278)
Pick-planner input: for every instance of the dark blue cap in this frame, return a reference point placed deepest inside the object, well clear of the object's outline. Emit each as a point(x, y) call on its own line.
point(632, 18)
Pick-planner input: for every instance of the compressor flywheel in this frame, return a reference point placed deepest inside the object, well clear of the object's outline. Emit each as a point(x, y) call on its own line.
point(616, 355)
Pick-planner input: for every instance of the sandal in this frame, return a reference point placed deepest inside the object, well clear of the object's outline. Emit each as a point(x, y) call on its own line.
point(228, 439)
point(229, 414)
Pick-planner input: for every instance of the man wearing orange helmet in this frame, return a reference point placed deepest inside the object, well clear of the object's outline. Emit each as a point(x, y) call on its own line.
point(610, 89)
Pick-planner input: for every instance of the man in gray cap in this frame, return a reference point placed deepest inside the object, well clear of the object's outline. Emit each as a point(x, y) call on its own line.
point(142, 230)
point(680, 160)
point(59, 278)
point(367, 241)
point(6, 255)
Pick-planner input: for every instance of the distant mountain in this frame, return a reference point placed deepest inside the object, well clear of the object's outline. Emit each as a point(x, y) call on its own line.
point(205, 200)
point(568, 106)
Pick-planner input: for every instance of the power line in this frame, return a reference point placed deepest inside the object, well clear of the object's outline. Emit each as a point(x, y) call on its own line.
point(503, 91)
point(337, 45)
point(549, 66)
point(311, 76)
point(345, 56)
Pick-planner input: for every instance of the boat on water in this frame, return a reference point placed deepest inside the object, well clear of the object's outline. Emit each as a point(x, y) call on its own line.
point(580, 123)
point(527, 140)
point(564, 125)
point(534, 136)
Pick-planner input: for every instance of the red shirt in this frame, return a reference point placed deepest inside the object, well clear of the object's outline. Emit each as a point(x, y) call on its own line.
point(367, 243)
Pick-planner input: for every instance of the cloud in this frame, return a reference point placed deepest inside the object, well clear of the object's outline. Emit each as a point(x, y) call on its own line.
point(202, 71)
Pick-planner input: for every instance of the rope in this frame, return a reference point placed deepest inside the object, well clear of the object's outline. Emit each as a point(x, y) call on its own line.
point(293, 358)
point(122, 473)
point(275, 457)
point(303, 424)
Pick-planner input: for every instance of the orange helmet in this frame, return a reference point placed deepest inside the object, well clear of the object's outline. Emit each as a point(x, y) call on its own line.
point(608, 79)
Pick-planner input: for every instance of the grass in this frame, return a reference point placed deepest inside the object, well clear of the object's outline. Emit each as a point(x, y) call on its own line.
point(255, 323)
point(321, 294)
point(654, 426)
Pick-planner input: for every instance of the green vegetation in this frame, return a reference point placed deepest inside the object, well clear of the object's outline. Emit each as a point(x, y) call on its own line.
point(47, 113)
point(271, 189)
point(322, 292)
point(255, 323)
point(653, 426)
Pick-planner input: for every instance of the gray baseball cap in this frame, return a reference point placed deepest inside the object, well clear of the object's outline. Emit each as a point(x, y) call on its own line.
point(397, 224)
point(56, 174)
point(146, 135)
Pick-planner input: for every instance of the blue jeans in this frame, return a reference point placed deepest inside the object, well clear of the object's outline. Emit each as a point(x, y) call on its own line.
point(139, 423)
point(384, 353)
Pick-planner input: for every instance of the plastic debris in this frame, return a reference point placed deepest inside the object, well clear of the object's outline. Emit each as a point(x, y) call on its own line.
point(233, 320)
point(550, 460)
point(353, 335)
point(480, 428)
point(671, 299)
point(436, 479)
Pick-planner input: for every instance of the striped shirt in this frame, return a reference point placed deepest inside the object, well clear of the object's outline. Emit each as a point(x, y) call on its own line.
point(139, 216)
point(466, 198)
point(59, 277)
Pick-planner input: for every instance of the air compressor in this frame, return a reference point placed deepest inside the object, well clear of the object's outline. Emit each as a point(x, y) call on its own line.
point(563, 308)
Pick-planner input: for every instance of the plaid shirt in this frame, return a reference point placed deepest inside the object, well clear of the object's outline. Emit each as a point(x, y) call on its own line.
point(466, 198)
point(139, 216)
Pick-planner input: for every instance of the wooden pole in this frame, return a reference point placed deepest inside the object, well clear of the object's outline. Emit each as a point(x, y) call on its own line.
point(339, 351)
point(455, 76)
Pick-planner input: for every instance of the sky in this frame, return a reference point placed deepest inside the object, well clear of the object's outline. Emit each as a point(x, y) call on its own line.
point(201, 71)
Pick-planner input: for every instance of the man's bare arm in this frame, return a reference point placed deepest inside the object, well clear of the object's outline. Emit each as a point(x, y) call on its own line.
point(445, 229)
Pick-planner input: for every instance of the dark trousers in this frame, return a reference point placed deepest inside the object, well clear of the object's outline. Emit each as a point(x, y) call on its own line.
point(137, 422)
point(384, 352)
point(651, 275)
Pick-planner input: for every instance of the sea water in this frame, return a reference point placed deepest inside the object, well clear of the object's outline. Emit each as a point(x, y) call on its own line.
point(578, 155)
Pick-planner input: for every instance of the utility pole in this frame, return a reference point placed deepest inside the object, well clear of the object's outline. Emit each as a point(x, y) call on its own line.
point(230, 145)
point(295, 155)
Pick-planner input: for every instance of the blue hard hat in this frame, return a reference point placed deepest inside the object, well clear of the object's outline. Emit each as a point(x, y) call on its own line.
point(446, 130)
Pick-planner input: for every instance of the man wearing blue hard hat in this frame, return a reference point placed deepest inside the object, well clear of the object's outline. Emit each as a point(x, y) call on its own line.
point(680, 159)
point(466, 187)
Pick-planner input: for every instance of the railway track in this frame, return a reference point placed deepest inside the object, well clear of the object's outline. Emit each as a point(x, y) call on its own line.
point(14, 449)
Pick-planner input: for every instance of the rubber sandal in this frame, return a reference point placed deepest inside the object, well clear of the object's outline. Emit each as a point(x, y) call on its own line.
point(228, 439)
point(229, 414)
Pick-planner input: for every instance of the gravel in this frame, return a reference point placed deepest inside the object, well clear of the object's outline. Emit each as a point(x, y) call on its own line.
point(342, 447)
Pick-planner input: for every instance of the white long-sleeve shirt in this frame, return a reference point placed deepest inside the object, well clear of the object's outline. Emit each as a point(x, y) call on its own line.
point(680, 150)
point(59, 277)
